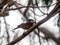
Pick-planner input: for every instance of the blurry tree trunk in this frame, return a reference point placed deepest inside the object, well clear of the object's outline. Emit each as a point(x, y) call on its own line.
point(6, 30)
point(59, 23)
point(0, 24)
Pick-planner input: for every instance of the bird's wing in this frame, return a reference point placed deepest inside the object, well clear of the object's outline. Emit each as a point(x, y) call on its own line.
point(24, 25)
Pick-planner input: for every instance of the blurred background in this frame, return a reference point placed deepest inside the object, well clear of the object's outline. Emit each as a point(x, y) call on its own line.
point(31, 9)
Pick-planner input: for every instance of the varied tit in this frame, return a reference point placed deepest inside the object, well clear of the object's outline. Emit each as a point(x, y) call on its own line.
point(26, 25)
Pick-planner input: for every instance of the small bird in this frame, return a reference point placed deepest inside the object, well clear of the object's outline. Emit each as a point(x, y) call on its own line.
point(26, 25)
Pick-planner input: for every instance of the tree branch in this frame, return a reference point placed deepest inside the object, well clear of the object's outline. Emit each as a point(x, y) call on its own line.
point(51, 14)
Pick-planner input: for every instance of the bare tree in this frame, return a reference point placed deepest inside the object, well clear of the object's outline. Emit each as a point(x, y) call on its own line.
point(31, 6)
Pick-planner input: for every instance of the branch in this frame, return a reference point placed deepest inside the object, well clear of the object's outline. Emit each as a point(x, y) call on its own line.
point(46, 32)
point(35, 26)
point(8, 37)
point(26, 7)
point(26, 10)
point(41, 6)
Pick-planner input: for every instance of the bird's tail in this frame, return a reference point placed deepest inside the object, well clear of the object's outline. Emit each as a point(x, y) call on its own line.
point(15, 28)
point(19, 26)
